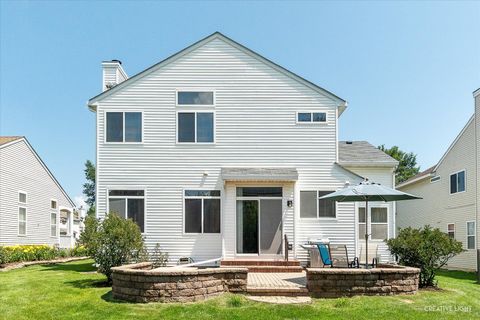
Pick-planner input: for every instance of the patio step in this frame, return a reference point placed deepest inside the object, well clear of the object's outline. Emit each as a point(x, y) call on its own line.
point(268, 291)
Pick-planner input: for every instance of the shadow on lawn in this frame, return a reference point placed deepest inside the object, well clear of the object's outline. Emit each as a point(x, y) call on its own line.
point(108, 297)
point(88, 283)
point(460, 275)
point(84, 266)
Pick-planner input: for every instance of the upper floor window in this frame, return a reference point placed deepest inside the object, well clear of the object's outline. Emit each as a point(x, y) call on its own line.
point(124, 127)
point(471, 235)
point(313, 207)
point(311, 117)
point(195, 127)
point(457, 182)
point(202, 211)
point(451, 230)
point(195, 98)
point(434, 179)
point(53, 204)
point(128, 204)
point(22, 197)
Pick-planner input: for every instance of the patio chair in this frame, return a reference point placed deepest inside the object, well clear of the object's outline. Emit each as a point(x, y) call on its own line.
point(372, 254)
point(324, 251)
point(339, 256)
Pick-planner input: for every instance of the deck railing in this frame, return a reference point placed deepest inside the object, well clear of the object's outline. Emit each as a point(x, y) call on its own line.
point(287, 245)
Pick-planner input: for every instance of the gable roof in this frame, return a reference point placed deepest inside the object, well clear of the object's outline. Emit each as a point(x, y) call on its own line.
point(418, 177)
point(341, 103)
point(362, 153)
point(6, 141)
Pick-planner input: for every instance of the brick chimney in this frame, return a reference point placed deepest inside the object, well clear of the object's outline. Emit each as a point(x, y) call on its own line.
point(113, 74)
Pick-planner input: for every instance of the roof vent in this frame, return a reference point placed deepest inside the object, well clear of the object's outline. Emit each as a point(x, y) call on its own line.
point(349, 142)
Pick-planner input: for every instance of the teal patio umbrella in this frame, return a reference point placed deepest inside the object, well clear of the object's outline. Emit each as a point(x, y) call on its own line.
point(368, 191)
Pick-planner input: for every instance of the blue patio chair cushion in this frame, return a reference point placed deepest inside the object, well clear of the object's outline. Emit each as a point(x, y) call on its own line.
point(324, 254)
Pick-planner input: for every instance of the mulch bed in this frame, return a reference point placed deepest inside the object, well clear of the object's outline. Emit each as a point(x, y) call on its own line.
point(18, 265)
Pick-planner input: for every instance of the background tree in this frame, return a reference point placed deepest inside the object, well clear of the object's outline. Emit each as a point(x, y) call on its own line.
point(89, 186)
point(407, 166)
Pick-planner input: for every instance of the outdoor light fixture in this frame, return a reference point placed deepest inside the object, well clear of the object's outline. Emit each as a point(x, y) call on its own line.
point(289, 203)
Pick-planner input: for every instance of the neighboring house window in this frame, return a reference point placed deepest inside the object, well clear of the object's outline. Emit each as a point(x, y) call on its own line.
point(22, 221)
point(128, 204)
point(313, 207)
point(378, 222)
point(457, 182)
point(22, 197)
point(451, 230)
point(53, 224)
point(202, 211)
point(53, 204)
point(471, 235)
point(195, 127)
point(190, 98)
point(311, 117)
point(124, 127)
point(435, 179)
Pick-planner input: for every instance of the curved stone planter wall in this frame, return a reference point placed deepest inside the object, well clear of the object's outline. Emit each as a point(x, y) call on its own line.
point(333, 283)
point(140, 283)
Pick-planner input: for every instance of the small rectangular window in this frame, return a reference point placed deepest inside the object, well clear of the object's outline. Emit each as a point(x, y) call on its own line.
point(22, 197)
point(259, 192)
point(451, 230)
point(471, 235)
point(326, 207)
point(435, 179)
point(195, 127)
point(53, 204)
point(124, 127)
point(195, 98)
point(202, 211)
point(311, 117)
point(457, 182)
point(22, 221)
point(128, 204)
point(53, 224)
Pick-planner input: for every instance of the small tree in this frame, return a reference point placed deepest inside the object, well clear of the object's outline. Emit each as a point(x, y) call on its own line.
point(428, 249)
point(407, 166)
point(89, 186)
point(112, 242)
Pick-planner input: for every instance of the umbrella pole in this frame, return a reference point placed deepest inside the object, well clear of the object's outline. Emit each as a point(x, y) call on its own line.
point(366, 233)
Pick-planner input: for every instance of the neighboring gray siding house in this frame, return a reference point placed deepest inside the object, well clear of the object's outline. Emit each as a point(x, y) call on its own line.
point(450, 194)
point(219, 152)
point(34, 208)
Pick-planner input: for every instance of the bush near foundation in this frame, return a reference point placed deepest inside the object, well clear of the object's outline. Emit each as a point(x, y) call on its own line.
point(23, 253)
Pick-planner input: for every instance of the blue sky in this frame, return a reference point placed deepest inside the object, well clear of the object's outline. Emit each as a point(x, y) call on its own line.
point(407, 69)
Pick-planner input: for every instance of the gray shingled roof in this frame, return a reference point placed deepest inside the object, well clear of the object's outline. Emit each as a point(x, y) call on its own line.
point(259, 174)
point(362, 152)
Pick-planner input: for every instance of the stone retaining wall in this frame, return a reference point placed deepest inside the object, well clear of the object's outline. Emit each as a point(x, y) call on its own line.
point(332, 282)
point(140, 283)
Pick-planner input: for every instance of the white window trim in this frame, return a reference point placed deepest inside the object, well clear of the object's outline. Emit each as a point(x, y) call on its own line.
point(56, 204)
point(57, 222)
point(311, 122)
point(18, 221)
point(317, 209)
point(454, 229)
point(144, 197)
point(195, 127)
point(26, 197)
point(202, 213)
point(123, 136)
point(449, 182)
point(195, 90)
point(471, 235)
point(370, 206)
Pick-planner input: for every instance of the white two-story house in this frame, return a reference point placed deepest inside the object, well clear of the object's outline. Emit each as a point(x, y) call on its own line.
point(218, 152)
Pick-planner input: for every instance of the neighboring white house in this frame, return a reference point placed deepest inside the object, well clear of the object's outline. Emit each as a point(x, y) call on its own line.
point(450, 192)
point(34, 208)
point(218, 152)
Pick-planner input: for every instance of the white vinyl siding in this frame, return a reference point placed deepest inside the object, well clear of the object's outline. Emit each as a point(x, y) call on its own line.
point(21, 171)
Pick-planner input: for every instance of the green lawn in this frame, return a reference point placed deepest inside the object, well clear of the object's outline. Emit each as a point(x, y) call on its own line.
point(72, 291)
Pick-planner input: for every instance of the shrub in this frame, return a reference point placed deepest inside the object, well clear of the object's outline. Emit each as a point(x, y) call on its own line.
point(114, 242)
point(158, 257)
point(19, 253)
point(428, 249)
point(89, 236)
point(79, 251)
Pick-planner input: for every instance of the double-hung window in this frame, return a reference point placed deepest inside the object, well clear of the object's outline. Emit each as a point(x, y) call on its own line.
point(22, 221)
point(195, 125)
point(124, 127)
point(378, 223)
point(202, 211)
point(471, 235)
point(311, 117)
point(311, 206)
point(53, 223)
point(457, 182)
point(451, 230)
point(128, 204)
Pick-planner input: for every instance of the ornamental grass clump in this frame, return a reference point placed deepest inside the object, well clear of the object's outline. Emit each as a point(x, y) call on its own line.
point(427, 249)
